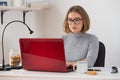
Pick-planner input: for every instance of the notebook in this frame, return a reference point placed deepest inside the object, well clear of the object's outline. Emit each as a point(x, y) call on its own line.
point(43, 54)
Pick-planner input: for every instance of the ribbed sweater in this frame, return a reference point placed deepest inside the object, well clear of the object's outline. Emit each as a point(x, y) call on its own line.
point(81, 46)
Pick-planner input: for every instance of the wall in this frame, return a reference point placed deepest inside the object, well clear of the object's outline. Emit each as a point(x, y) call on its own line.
point(104, 16)
point(34, 19)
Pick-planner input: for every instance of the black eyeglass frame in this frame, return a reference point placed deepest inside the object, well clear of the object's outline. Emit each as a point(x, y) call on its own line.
point(75, 20)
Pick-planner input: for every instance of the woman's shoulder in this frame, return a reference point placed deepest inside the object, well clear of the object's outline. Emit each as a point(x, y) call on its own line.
point(85, 35)
point(64, 36)
point(92, 36)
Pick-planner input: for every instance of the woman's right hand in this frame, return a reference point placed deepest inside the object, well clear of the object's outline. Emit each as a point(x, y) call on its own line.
point(70, 64)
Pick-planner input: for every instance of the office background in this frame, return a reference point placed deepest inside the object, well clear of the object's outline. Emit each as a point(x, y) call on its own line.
point(104, 16)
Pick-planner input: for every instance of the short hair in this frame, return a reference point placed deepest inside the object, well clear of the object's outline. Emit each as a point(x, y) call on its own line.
point(86, 21)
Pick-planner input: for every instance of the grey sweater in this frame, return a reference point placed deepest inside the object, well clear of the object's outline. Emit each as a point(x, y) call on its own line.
point(81, 46)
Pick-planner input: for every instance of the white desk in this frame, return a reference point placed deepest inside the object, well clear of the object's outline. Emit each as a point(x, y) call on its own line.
point(39, 75)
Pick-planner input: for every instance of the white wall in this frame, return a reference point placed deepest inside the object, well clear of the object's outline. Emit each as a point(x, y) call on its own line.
point(34, 19)
point(104, 15)
point(17, 30)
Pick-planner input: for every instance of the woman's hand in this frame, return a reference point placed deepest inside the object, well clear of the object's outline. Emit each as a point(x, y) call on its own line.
point(70, 63)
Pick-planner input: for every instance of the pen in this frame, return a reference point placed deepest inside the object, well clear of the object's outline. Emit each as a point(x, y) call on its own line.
point(94, 70)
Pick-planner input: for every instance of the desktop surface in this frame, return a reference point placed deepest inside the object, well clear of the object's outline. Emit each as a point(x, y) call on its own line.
point(104, 74)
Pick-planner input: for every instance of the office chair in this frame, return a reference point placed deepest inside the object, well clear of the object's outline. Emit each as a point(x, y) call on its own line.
point(100, 61)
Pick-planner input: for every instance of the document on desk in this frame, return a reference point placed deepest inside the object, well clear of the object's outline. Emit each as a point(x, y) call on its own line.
point(95, 69)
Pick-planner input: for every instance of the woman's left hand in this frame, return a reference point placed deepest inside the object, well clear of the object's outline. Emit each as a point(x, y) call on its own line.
point(70, 63)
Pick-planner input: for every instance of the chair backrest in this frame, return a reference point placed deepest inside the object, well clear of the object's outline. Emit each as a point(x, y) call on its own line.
point(100, 62)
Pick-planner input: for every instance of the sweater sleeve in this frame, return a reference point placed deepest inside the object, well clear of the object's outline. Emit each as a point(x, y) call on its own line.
point(92, 50)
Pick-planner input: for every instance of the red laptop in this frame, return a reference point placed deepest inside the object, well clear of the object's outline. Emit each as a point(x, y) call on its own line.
point(43, 54)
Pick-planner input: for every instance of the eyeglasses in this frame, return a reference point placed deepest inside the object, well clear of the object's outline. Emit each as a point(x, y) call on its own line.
point(76, 21)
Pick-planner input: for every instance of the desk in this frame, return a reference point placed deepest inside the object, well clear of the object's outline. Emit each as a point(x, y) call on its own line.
point(39, 75)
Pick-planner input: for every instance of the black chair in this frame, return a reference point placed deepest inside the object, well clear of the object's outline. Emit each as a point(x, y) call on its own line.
point(100, 62)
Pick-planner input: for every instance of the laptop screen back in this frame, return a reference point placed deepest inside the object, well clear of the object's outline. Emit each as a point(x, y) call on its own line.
point(45, 54)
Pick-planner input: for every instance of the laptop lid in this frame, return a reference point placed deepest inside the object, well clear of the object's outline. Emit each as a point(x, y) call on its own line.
point(44, 54)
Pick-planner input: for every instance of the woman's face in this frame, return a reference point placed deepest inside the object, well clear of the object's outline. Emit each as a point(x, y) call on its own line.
point(75, 22)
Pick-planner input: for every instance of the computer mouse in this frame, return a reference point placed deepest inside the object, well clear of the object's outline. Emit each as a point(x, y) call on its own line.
point(114, 69)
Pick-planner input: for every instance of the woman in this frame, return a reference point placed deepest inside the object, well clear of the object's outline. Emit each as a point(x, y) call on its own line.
point(79, 45)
